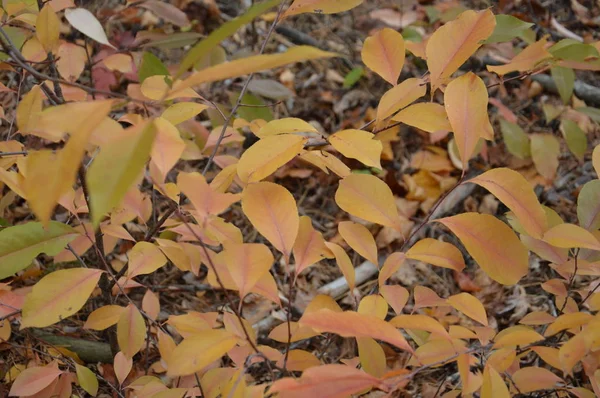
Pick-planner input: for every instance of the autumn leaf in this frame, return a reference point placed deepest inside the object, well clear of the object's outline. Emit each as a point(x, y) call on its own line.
point(131, 331)
point(359, 145)
point(438, 253)
point(353, 324)
point(479, 233)
point(588, 206)
point(273, 212)
point(58, 295)
point(391, 264)
point(309, 246)
point(204, 198)
point(34, 379)
point(452, 44)
point(247, 263)
point(535, 378)
point(427, 116)
point(104, 317)
point(526, 60)
point(383, 53)
point(512, 189)
point(344, 263)
point(359, 239)
point(493, 386)
point(288, 125)
point(320, 6)
point(47, 28)
point(470, 306)
point(545, 150)
point(87, 379)
point(267, 155)
point(569, 236)
point(144, 258)
point(465, 100)
point(399, 97)
point(367, 197)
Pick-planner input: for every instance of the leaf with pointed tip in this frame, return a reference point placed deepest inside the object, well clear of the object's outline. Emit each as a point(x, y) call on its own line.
point(144, 258)
point(58, 295)
point(367, 197)
point(360, 239)
point(247, 263)
point(20, 244)
point(87, 379)
point(466, 101)
point(359, 145)
point(309, 246)
point(480, 234)
point(131, 331)
point(545, 150)
point(399, 97)
point(344, 263)
point(383, 53)
point(204, 198)
point(392, 264)
point(569, 236)
point(288, 125)
point(104, 317)
point(588, 206)
point(427, 116)
point(493, 386)
point(575, 137)
point(452, 44)
point(116, 168)
point(438, 253)
point(512, 189)
point(526, 60)
point(470, 306)
point(85, 22)
point(33, 380)
point(273, 212)
point(47, 28)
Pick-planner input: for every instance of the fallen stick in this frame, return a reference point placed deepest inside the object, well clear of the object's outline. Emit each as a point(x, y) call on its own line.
point(584, 91)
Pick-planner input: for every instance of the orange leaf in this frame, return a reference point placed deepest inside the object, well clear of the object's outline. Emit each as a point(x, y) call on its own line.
point(399, 97)
point(568, 321)
point(70, 61)
point(309, 246)
point(516, 336)
point(359, 145)
point(512, 189)
point(131, 331)
point(438, 253)
point(420, 322)
point(199, 351)
point(452, 44)
point(367, 197)
point(167, 148)
point(427, 116)
point(493, 385)
point(273, 212)
point(33, 380)
point(58, 295)
point(569, 236)
point(383, 53)
point(122, 365)
point(320, 6)
point(204, 198)
point(247, 263)
point(344, 263)
point(526, 60)
point(144, 258)
point(470, 306)
point(326, 381)
point(392, 264)
point(353, 324)
point(534, 378)
point(480, 233)
point(395, 295)
point(104, 317)
point(360, 239)
point(151, 304)
point(466, 101)
point(572, 352)
point(267, 155)
point(299, 360)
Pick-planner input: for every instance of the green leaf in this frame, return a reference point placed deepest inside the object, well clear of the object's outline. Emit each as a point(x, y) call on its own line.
point(87, 379)
point(203, 48)
point(507, 28)
point(593, 113)
point(575, 137)
point(353, 77)
point(151, 66)
point(573, 50)
point(17, 36)
point(20, 244)
point(411, 34)
point(117, 167)
point(515, 139)
point(564, 78)
point(588, 211)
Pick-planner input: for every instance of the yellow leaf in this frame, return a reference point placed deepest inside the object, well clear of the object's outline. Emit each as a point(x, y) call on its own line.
point(596, 159)
point(344, 263)
point(367, 197)
point(471, 382)
point(120, 62)
point(42, 188)
point(47, 28)
point(70, 61)
point(383, 53)
point(470, 306)
point(182, 111)
point(104, 317)
point(116, 168)
point(392, 264)
point(273, 212)
point(267, 155)
point(452, 44)
point(569, 236)
point(29, 110)
point(87, 379)
point(372, 356)
point(157, 88)
point(427, 116)
point(58, 295)
point(256, 63)
point(399, 97)
point(167, 148)
point(360, 239)
point(320, 6)
point(353, 324)
point(438, 253)
point(420, 322)
point(373, 304)
point(204, 198)
point(526, 60)
point(516, 336)
point(247, 264)
point(309, 246)
point(287, 125)
point(572, 352)
point(359, 145)
point(144, 258)
point(534, 378)
point(568, 321)
point(465, 100)
point(493, 385)
point(299, 360)
point(131, 331)
point(199, 351)
point(512, 189)
point(324, 161)
point(480, 233)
